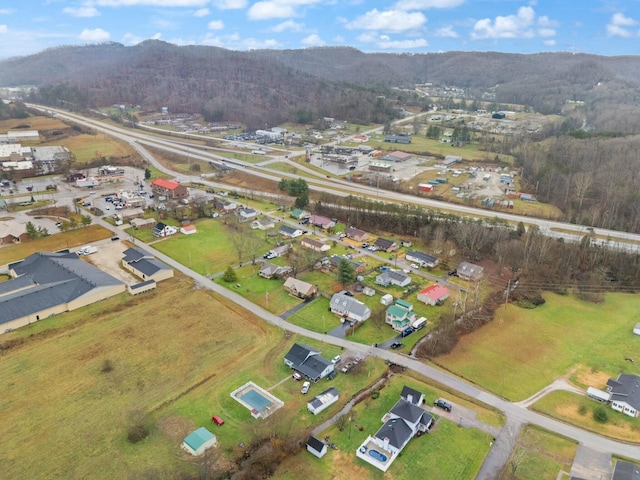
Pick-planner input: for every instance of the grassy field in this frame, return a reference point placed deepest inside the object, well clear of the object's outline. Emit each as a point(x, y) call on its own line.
point(174, 359)
point(34, 123)
point(448, 452)
point(562, 335)
point(540, 455)
point(87, 147)
point(52, 243)
point(578, 410)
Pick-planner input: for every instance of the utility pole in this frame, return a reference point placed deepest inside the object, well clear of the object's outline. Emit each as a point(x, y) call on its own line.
point(506, 297)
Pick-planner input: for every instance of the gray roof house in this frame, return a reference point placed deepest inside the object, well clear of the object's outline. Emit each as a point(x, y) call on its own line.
point(145, 266)
point(393, 277)
point(323, 401)
point(626, 471)
point(271, 270)
point(469, 271)
point(423, 259)
point(412, 396)
point(386, 245)
point(45, 284)
point(287, 231)
point(625, 394)
point(308, 362)
point(349, 308)
point(400, 424)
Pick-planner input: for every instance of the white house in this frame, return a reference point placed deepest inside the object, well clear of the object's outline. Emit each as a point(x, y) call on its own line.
point(247, 213)
point(393, 277)
point(163, 230)
point(264, 223)
point(316, 447)
point(323, 401)
point(625, 394)
point(315, 245)
point(287, 231)
point(308, 362)
point(422, 259)
point(349, 308)
point(198, 441)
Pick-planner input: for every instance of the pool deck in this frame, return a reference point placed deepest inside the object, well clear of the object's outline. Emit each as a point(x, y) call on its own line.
point(276, 403)
point(369, 444)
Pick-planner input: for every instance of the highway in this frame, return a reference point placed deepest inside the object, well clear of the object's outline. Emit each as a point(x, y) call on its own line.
point(517, 414)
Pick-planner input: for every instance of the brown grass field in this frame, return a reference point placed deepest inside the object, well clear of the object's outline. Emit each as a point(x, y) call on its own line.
point(34, 123)
point(63, 417)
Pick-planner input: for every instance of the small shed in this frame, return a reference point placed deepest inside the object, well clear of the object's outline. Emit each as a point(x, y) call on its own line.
point(316, 447)
point(198, 441)
point(368, 291)
point(636, 329)
point(386, 299)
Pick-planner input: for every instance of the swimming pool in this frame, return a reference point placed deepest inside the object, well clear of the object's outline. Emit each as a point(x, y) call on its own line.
point(256, 400)
point(378, 456)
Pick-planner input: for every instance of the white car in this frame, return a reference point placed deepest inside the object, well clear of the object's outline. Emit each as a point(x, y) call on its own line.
point(336, 359)
point(415, 266)
point(305, 387)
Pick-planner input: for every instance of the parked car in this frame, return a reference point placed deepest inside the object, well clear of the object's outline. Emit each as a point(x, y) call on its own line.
point(217, 420)
point(336, 359)
point(114, 238)
point(415, 266)
point(407, 331)
point(297, 376)
point(305, 387)
point(396, 345)
point(443, 404)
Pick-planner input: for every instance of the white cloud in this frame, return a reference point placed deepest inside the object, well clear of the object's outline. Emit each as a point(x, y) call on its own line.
point(84, 11)
point(202, 12)
point(95, 35)
point(132, 39)
point(388, 21)
point(234, 42)
point(447, 31)
point(268, 9)
point(386, 43)
point(524, 24)
point(6, 11)
point(4, 29)
point(619, 26)
point(289, 25)
point(550, 43)
point(151, 3)
point(426, 4)
point(215, 25)
point(164, 23)
point(229, 4)
point(313, 40)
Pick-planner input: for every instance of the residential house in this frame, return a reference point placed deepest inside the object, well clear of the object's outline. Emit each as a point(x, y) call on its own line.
point(290, 232)
point(316, 447)
point(224, 206)
point(45, 284)
point(412, 396)
point(12, 232)
point(299, 214)
point(348, 308)
point(271, 270)
point(356, 234)
point(321, 222)
point(131, 213)
point(625, 394)
point(264, 223)
point(422, 259)
point(393, 277)
point(308, 362)
point(169, 188)
point(385, 245)
point(163, 230)
point(142, 222)
point(281, 250)
point(198, 441)
point(400, 315)
point(469, 271)
point(626, 471)
point(145, 266)
point(323, 401)
point(300, 289)
point(358, 267)
point(315, 245)
point(433, 295)
point(246, 213)
point(188, 229)
point(404, 421)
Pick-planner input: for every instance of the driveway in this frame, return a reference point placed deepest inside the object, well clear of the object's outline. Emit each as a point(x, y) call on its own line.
point(591, 464)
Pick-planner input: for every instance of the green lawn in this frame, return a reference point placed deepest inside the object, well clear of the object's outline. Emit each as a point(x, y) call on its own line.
point(560, 335)
point(448, 452)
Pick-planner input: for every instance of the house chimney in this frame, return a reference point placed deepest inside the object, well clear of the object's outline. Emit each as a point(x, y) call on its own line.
point(385, 444)
point(410, 398)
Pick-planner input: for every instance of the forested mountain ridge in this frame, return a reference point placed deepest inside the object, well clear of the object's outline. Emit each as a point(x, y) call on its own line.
point(274, 85)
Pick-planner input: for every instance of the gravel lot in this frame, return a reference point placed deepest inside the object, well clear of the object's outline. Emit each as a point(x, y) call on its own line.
point(108, 258)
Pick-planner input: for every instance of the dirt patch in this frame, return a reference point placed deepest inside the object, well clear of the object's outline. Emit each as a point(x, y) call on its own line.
point(108, 258)
point(586, 376)
point(175, 427)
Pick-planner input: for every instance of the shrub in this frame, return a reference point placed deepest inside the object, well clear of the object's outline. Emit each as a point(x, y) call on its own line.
point(107, 366)
point(375, 394)
point(600, 414)
point(582, 410)
point(137, 429)
point(230, 275)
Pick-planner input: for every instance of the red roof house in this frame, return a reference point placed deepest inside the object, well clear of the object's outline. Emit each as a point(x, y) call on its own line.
point(169, 188)
point(434, 294)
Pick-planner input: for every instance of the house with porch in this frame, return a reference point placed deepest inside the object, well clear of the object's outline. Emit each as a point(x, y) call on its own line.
point(400, 315)
point(348, 308)
point(308, 362)
point(403, 422)
point(625, 394)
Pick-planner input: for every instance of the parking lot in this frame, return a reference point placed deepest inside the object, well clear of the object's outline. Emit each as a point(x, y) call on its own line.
point(108, 259)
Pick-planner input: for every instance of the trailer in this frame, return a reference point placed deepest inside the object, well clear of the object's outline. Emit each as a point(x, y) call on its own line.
point(418, 324)
point(425, 187)
point(87, 250)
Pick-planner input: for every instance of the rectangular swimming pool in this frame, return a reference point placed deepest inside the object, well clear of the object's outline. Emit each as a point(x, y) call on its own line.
point(256, 400)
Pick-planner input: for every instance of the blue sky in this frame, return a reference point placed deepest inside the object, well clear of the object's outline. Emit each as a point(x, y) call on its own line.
point(606, 27)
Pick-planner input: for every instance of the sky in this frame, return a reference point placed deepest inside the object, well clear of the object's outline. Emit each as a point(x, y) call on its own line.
point(604, 27)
